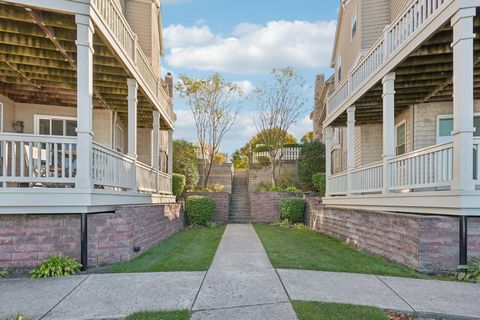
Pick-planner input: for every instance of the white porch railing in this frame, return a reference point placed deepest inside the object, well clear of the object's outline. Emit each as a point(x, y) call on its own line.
point(30, 159)
point(286, 154)
point(127, 39)
point(337, 184)
point(424, 168)
point(367, 178)
point(476, 161)
point(415, 16)
point(112, 169)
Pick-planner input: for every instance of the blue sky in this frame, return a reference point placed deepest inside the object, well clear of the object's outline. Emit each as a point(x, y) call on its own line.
point(244, 40)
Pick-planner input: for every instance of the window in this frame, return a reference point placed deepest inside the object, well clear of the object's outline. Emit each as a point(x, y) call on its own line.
point(118, 138)
point(339, 69)
point(55, 126)
point(354, 25)
point(400, 138)
point(445, 128)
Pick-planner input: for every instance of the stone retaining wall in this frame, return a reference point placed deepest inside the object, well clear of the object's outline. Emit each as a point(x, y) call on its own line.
point(424, 242)
point(222, 203)
point(259, 175)
point(220, 174)
point(26, 240)
point(265, 206)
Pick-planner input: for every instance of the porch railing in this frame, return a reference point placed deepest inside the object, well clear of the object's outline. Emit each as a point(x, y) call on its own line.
point(127, 39)
point(413, 18)
point(29, 159)
point(337, 184)
point(112, 169)
point(425, 168)
point(476, 161)
point(367, 178)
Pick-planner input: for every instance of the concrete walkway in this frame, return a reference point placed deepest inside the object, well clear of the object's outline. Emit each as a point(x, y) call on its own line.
point(240, 284)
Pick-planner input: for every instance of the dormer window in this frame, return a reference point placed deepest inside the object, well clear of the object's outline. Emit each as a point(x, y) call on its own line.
point(354, 25)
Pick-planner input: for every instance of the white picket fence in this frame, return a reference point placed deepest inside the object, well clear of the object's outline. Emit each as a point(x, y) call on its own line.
point(286, 154)
point(414, 17)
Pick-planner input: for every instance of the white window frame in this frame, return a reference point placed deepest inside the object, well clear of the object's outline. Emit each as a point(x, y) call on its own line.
point(38, 117)
point(450, 138)
point(354, 23)
point(119, 147)
point(403, 122)
point(1, 117)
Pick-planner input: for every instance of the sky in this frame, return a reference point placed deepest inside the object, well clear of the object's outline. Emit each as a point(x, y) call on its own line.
point(244, 40)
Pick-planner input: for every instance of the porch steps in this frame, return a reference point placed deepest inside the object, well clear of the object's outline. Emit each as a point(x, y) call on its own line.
point(240, 201)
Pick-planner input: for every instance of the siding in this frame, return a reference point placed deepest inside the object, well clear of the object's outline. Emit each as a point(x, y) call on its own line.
point(371, 143)
point(375, 16)
point(397, 7)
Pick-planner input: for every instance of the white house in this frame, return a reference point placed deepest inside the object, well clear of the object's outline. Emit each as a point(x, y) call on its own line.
point(402, 121)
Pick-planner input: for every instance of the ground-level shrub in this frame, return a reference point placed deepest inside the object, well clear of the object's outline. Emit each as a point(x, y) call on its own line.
point(292, 209)
point(471, 272)
point(319, 181)
point(310, 161)
point(56, 266)
point(178, 184)
point(199, 210)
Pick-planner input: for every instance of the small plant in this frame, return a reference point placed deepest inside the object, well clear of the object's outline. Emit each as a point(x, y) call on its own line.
point(202, 189)
point(470, 272)
point(285, 223)
point(56, 266)
point(199, 210)
point(292, 209)
point(4, 273)
point(319, 182)
point(217, 187)
point(264, 161)
point(214, 225)
point(275, 189)
point(291, 189)
point(19, 316)
point(178, 184)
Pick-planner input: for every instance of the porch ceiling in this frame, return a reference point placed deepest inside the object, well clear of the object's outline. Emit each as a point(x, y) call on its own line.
point(38, 63)
point(425, 76)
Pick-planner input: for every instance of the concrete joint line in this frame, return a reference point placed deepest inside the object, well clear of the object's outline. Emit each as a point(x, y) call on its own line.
point(398, 295)
point(61, 300)
point(283, 285)
point(242, 306)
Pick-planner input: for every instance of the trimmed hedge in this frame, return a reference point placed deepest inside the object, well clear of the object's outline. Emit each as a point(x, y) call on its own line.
point(178, 184)
point(292, 209)
point(199, 210)
point(319, 182)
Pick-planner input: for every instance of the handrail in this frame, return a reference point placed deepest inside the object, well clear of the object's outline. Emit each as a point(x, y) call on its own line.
point(368, 166)
point(19, 137)
point(422, 151)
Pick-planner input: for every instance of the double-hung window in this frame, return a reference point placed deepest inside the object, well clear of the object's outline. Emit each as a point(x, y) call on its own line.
point(401, 138)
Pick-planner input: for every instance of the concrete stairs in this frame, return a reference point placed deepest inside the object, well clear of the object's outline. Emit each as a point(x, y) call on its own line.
point(240, 200)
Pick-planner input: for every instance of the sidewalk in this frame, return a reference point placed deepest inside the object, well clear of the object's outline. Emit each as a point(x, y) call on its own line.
point(240, 284)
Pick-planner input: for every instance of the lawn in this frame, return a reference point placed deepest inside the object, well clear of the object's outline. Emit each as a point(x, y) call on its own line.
point(160, 315)
point(333, 311)
point(290, 248)
point(188, 250)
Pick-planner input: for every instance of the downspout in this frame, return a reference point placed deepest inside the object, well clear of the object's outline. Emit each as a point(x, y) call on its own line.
point(84, 241)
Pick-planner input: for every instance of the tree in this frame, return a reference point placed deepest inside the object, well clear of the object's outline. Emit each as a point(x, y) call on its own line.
point(280, 105)
point(310, 162)
point(185, 162)
point(215, 104)
point(307, 137)
point(256, 140)
point(239, 160)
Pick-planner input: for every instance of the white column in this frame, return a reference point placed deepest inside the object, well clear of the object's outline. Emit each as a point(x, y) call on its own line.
point(132, 127)
point(328, 134)
point(84, 44)
point(170, 151)
point(156, 140)
point(388, 126)
point(350, 146)
point(462, 23)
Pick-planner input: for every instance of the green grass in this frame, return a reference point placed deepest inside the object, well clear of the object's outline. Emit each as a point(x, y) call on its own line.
point(160, 315)
point(290, 248)
point(188, 250)
point(333, 311)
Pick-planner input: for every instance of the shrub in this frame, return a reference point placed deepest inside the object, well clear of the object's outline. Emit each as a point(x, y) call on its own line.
point(292, 209)
point(56, 266)
point(264, 161)
point(199, 210)
point(185, 162)
point(291, 189)
point(275, 189)
point(319, 182)
point(310, 161)
point(219, 158)
point(471, 273)
point(202, 189)
point(217, 187)
point(19, 316)
point(178, 184)
point(4, 273)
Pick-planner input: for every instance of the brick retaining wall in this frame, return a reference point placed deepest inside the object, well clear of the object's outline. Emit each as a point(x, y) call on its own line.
point(25, 240)
point(222, 203)
point(424, 242)
point(265, 206)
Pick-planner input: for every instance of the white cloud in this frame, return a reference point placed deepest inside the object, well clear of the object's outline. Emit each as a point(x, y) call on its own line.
point(251, 48)
point(246, 86)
